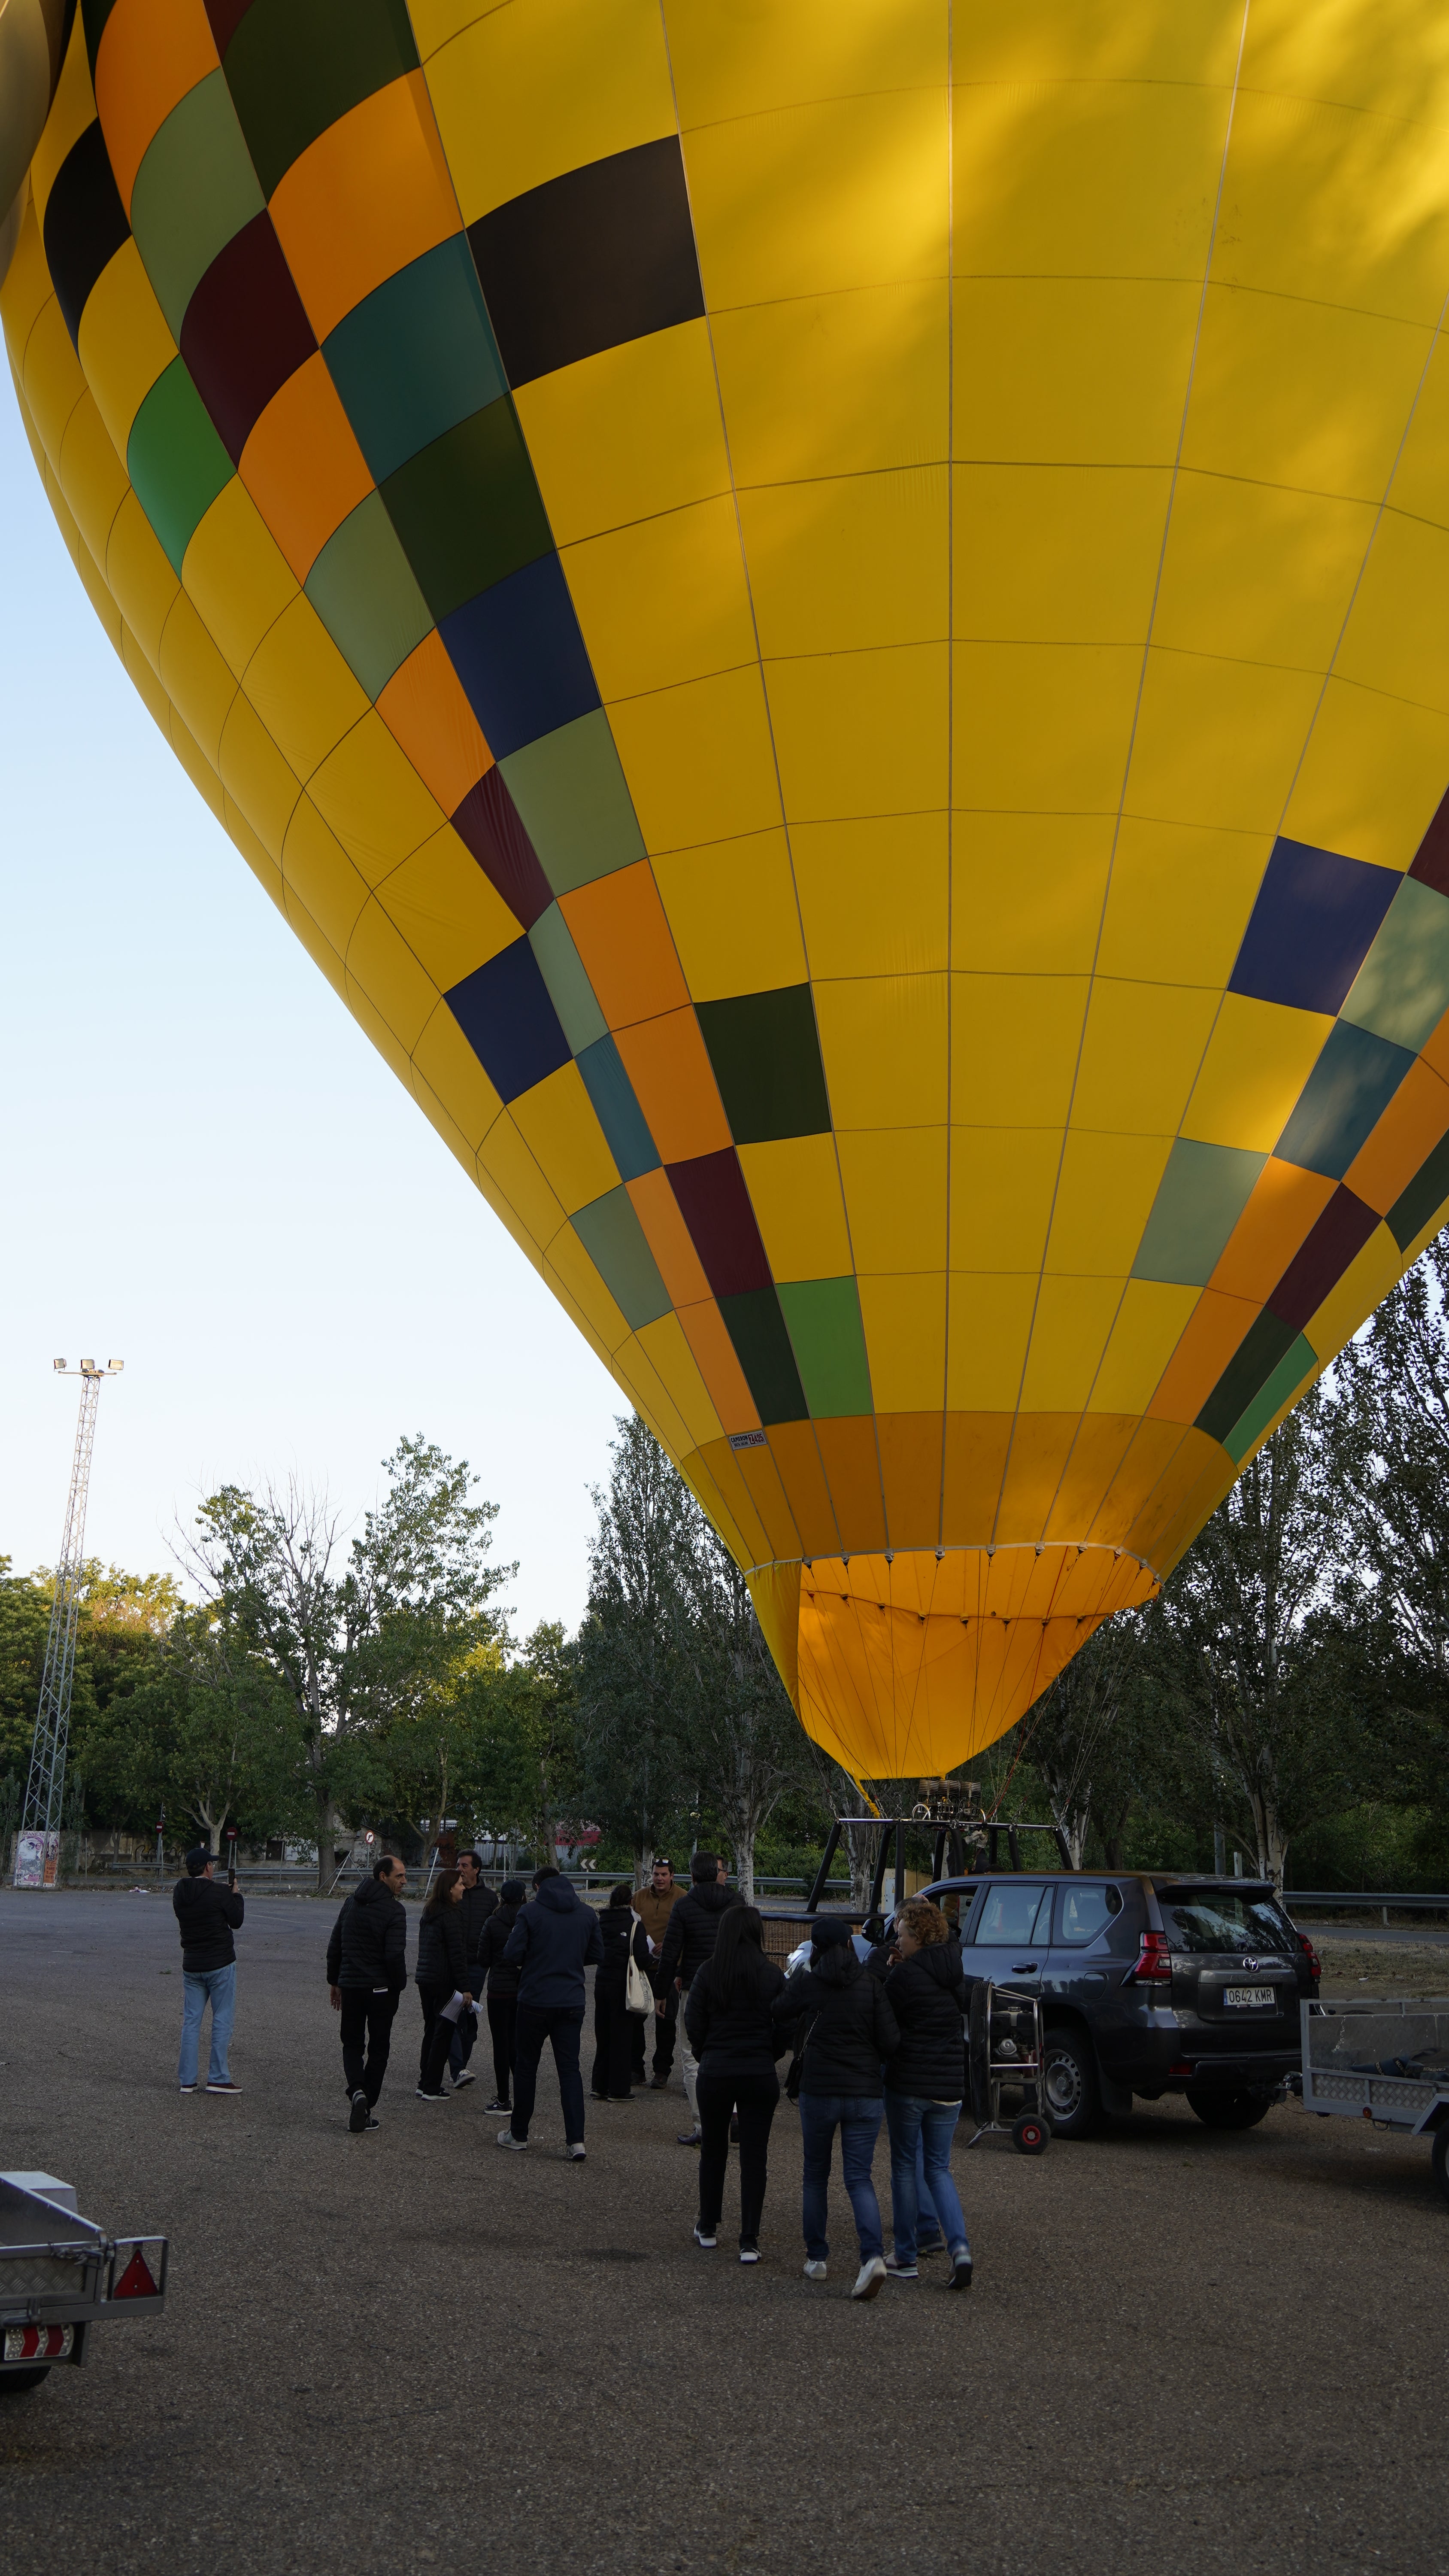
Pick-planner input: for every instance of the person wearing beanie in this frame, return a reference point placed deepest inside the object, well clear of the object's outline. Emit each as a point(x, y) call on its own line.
point(844, 2031)
point(208, 1915)
point(502, 1988)
point(689, 1940)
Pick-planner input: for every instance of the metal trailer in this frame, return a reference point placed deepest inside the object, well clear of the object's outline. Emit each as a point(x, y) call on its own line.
point(1004, 2054)
point(1387, 2062)
point(61, 2274)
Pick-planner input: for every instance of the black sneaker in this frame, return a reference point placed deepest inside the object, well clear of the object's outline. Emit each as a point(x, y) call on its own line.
point(466, 2077)
point(498, 2106)
point(357, 2116)
point(705, 2237)
point(960, 2270)
point(749, 2250)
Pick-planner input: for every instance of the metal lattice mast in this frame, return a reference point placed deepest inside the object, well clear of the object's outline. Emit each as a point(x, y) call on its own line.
point(45, 1788)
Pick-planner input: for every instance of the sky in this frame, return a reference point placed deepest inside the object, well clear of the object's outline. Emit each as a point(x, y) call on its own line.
point(208, 1173)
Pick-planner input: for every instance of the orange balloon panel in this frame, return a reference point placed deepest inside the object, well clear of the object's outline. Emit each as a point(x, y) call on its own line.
point(829, 622)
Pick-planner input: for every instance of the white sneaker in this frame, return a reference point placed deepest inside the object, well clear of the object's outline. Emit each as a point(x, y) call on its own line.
point(576, 2153)
point(506, 2138)
point(467, 2077)
point(814, 2271)
point(870, 2279)
point(708, 2242)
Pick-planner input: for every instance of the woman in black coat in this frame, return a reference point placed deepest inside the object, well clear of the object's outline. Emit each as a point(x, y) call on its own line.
point(622, 1933)
point(502, 1989)
point(923, 2095)
point(848, 2029)
point(442, 1972)
point(728, 2019)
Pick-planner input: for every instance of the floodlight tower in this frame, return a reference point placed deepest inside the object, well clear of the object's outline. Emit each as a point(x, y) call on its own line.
point(37, 1847)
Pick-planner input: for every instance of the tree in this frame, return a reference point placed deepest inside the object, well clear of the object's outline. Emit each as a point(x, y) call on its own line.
point(359, 1640)
point(634, 1680)
point(1267, 1699)
point(1389, 1437)
point(210, 1733)
point(748, 1745)
point(122, 1622)
point(517, 1747)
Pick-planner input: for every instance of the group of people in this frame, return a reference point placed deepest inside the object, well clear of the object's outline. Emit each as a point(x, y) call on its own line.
point(873, 2031)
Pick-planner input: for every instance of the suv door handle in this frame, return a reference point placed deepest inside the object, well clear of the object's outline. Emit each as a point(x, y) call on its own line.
point(1023, 1967)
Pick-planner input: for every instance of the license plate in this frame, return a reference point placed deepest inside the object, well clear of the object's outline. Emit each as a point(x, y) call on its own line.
point(1245, 1997)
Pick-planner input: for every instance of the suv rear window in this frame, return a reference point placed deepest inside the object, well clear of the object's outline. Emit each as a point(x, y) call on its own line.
point(1224, 1918)
point(1084, 1912)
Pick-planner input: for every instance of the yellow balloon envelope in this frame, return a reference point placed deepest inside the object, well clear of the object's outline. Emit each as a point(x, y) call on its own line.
point(831, 617)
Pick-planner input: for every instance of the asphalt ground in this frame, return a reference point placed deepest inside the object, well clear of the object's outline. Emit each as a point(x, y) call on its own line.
point(1184, 2351)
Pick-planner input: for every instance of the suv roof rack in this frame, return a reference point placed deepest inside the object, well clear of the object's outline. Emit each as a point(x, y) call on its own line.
point(952, 1834)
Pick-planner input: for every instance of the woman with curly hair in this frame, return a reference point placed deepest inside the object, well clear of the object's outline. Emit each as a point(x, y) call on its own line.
point(923, 2083)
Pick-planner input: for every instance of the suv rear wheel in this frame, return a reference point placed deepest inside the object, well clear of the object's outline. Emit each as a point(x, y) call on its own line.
point(1238, 2109)
point(1069, 2082)
point(13, 2383)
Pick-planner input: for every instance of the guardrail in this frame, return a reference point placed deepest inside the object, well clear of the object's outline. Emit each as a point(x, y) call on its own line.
point(1295, 1898)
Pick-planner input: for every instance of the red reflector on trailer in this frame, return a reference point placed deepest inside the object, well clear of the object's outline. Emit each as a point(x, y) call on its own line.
point(135, 2282)
point(37, 2343)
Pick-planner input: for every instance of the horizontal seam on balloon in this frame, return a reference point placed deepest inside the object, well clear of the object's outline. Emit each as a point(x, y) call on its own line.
point(1148, 277)
point(826, 98)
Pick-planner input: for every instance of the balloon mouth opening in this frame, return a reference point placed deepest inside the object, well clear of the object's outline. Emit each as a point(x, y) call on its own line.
point(914, 1660)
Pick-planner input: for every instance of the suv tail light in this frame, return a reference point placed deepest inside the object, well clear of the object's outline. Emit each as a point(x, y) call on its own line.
point(1154, 1964)
point(1315, 1965)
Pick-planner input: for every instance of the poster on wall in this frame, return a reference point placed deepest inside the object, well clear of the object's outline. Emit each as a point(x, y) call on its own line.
point(37, 1859)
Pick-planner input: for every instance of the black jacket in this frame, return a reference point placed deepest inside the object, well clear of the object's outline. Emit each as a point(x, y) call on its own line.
point(847, 2024)
point(208, 1914)
point(502, 1974)
point(692, 1931)
point(440, 1949)
point(622, 1933)
point(475, 1905)
point(927, 1994)
point(740, 2037)
point(553, 1941)
point(368, 1948)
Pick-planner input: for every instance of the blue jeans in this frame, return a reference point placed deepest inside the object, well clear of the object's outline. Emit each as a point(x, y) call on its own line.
point(921, 2130)
point(200, 1987)
point(858, 2117)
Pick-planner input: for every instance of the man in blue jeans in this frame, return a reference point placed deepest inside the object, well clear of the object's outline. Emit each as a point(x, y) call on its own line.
point(551, 1944)
point(208, 1915)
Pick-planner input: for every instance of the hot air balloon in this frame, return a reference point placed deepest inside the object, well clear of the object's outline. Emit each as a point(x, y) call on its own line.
point(831, 617)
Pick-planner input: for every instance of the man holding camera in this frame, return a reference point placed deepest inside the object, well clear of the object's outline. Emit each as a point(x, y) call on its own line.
point(208, 1916)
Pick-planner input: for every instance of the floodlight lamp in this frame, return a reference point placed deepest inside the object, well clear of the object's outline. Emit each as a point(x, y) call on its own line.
point(88, 1366)
point(117, 1365)
point(57, 1364)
